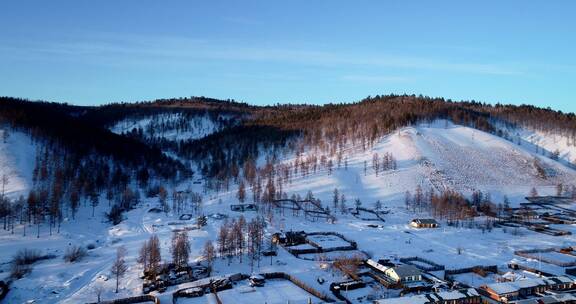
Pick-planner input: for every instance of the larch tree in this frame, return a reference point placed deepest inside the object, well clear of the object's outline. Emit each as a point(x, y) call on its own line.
point(119, 267)
point(241, 195)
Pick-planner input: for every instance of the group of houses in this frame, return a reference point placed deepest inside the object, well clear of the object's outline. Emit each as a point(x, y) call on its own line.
point(169, 275)
point(526, 288)
point(547, 289)
point(544, 290)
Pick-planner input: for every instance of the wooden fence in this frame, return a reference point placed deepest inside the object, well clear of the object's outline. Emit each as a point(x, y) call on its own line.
point(133, 300)
point(492, 268)
point(535, 254)
point(433, 266)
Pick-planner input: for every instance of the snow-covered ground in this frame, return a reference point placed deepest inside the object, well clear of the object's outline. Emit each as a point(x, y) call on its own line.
point(172, 126)
point(438, 155)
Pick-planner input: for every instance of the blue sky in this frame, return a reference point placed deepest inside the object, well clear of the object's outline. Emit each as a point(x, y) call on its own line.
point(263, 52)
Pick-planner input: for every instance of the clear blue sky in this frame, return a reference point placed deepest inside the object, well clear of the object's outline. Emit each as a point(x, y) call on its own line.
point(262, 52)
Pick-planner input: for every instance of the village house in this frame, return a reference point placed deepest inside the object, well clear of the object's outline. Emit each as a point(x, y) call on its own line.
point(424, 223)
point(289, 238)
point(464, 296)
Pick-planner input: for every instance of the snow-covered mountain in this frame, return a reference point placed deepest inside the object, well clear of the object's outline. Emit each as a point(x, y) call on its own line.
point(442, 156)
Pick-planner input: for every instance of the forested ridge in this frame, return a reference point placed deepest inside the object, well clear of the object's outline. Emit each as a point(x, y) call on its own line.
point(328, 127)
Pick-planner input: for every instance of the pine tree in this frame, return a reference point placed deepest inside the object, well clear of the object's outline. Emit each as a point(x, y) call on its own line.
point(335, 199)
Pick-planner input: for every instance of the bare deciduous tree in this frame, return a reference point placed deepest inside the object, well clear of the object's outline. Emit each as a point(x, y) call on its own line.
point(119, 267)
point(209, 253)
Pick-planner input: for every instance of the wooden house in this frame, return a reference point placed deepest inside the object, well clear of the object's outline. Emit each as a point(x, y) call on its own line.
point(399, 273)
point(424, 223)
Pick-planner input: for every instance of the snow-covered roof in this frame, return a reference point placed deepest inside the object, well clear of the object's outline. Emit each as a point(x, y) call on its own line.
point(431, 297)
point(256, 277)
point(558, 280)
point(377, 265)
point(511, 287)
point(550, 299)
point(406, 270)
point(503, 288)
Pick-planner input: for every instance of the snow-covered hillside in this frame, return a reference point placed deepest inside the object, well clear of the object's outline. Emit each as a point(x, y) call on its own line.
point(17, 161)
point(444, 156)
point(172, 126)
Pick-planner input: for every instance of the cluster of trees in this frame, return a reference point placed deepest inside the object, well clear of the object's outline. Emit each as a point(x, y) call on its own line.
point(339, 201)
point(449, 204)
point(180, 249)
point(149, 256)
point(238, 237)
point(182, 201)
point(452, 206)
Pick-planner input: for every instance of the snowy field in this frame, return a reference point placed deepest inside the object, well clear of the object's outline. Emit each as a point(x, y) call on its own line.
point(440, 155)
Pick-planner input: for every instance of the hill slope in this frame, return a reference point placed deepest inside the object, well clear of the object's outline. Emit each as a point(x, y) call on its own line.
point(17, 161)
point(439, 156)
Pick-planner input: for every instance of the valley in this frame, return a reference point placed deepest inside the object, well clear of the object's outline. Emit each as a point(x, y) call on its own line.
point(369, 196)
